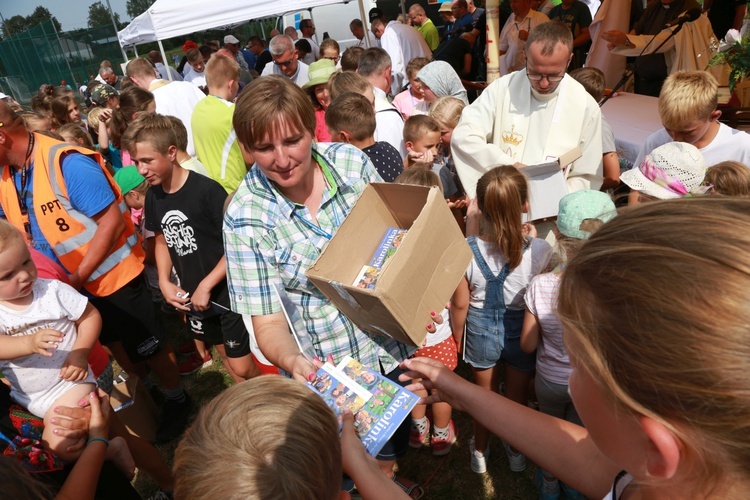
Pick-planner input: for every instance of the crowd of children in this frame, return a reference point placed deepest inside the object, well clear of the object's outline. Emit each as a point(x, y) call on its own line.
point(607, 329)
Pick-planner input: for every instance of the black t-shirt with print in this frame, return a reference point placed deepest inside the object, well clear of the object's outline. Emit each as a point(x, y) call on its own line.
point(191, 220)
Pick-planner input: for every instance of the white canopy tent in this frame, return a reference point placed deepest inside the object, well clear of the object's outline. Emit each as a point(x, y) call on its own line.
point(173, 18)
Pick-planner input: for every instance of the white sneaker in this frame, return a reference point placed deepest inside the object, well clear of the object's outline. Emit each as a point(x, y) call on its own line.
point(478, 459)
point(516, 460)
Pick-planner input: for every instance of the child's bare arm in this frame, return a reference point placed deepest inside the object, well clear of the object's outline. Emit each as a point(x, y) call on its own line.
point(88, 326)
point(459, 308)
point(164, 269)
point(39, 342)
point(202, 294)
point(611, 171)
point(530, 333)
point(150, 249)
point(104, 117)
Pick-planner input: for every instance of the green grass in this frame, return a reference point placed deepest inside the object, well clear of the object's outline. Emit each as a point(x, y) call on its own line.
point(443, 478)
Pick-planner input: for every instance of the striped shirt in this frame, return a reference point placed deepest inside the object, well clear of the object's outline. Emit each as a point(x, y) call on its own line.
point(270, 240)
point(552, 361)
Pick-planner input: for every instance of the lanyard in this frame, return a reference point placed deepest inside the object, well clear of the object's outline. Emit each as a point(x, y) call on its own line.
point(336, 217)
point(23, 194)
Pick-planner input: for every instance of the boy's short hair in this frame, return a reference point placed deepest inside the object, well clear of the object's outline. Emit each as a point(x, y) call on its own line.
point(140, 68)
point(193, 54)
point(266, 438)
point(352, 113)
point(350, 58)
point(180, 133)
point(687, 96)
point(154, 129)
point(592, 79)
point(265, 102)
point(219, 70)
point(413, 67)
point(373, 61)
point(417, 126)
point(206, 51)
point(347, 81)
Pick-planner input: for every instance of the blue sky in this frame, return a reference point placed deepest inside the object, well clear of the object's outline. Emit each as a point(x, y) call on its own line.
point(72, 14)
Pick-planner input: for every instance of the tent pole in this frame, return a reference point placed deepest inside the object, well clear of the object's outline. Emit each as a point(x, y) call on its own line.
point(364, 22)
point(263, 31)
point(164, 59)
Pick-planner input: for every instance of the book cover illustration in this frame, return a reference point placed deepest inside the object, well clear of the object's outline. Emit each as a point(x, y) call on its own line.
point(379, 405)
point(391, 241)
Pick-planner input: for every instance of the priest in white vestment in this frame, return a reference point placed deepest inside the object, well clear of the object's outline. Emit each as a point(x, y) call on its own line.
point(532, 116)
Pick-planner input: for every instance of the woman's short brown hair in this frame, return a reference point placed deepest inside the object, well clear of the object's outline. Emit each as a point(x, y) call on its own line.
point(265, 104)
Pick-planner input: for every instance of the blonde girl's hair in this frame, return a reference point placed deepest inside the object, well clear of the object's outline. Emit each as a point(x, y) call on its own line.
point(447, 111)
point(93, 118)
point(419, 177)
point(8, 234)
point(729, 178)
point(266, 438)
point(655, 308)
point(501, 195)
point(74, 131)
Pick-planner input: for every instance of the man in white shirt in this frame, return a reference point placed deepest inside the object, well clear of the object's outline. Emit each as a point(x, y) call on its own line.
point(285, 61)
point(514, 34)
point(307, 28)
point(375, 66)
point(402, 43)
point(531, 116)
point(164, 71)
point(172, 98)
point(358, 30)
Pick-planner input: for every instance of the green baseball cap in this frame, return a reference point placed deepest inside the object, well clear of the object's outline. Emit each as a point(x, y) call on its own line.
point(128, 178)
point(581, 205)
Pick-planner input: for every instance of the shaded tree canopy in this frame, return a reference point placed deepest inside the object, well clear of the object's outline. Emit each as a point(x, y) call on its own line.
point(19, 24)
point(137, 7)
point(99, 16)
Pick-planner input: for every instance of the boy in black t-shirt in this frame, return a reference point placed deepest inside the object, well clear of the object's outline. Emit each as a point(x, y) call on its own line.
point(185, 210)
point(350, 118)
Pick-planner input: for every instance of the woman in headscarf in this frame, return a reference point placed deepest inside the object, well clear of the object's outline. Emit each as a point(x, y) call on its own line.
point(439, 79)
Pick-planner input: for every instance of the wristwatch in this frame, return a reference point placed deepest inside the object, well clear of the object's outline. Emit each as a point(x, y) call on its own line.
point(627, 42)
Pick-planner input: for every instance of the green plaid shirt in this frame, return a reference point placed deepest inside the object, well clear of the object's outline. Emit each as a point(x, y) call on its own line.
point(269, 240)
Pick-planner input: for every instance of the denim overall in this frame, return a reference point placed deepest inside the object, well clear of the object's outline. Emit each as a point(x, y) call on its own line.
point(488, 327)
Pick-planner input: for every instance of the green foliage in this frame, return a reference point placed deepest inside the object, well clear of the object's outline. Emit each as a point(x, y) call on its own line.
point(99, 16)
point(737, 56)
point(19, 24)
point(135, 8)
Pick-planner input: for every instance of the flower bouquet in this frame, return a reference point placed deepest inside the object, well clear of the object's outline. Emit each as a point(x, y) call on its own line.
point(734, 50)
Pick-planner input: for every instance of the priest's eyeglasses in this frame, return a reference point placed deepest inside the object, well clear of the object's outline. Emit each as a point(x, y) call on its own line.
point(536, 77)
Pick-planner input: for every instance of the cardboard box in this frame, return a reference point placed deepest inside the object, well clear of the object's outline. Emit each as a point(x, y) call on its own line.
point(420, 277)
point(135, 408)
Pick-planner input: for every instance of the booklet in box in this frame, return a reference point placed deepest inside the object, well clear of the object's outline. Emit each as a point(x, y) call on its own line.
point(378, 404)
point(420, 277)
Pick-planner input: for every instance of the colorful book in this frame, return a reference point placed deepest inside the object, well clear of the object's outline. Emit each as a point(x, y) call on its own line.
point(387, 247)
point(368, 276)
point(378, 404)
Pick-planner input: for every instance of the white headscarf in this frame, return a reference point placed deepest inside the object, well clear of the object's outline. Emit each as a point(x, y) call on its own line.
point(443, 80)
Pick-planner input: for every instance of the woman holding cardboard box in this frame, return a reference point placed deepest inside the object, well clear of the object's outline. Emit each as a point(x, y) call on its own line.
point(277, 223)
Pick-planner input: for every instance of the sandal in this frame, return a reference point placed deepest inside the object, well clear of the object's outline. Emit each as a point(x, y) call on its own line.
point(414, 491)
